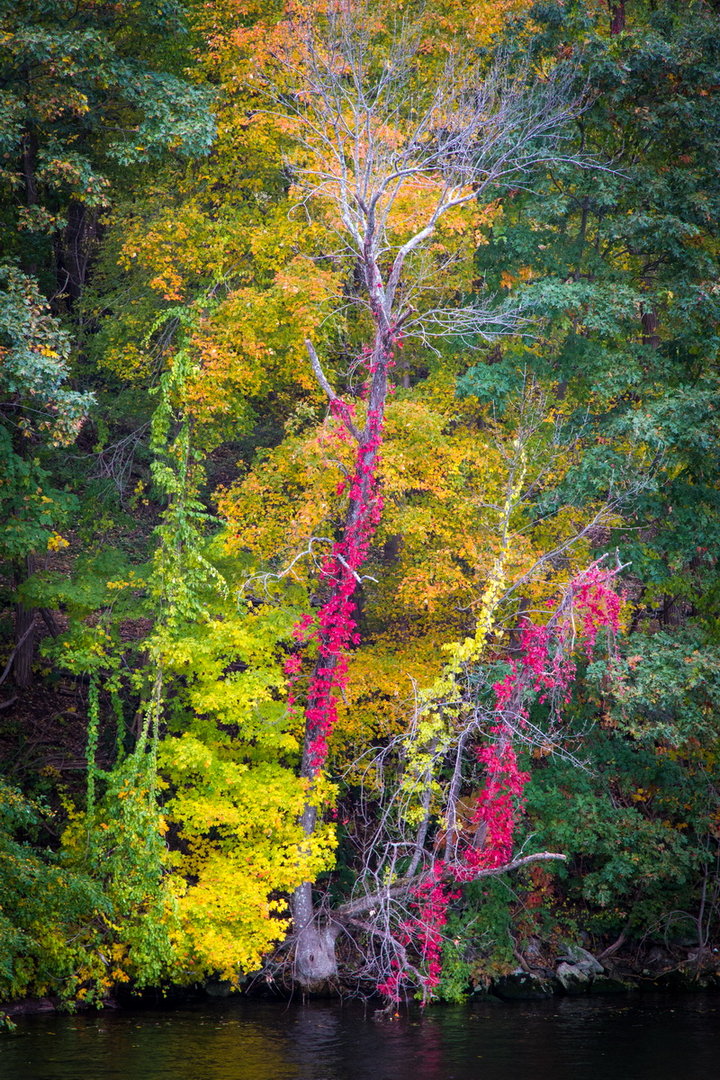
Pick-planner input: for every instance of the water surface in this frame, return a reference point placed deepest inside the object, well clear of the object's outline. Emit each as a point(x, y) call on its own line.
point(637, 1038)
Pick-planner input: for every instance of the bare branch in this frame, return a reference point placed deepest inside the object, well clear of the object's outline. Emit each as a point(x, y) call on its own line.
point(332, 396)
point(318, 371)
point(404, 886)
point(370, 133)
point(13, 654)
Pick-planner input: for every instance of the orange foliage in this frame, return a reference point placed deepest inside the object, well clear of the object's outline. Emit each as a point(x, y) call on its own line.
point(442, 479)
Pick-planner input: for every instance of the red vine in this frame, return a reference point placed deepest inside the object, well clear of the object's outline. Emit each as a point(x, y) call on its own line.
point(545, 668)
point(334, 630)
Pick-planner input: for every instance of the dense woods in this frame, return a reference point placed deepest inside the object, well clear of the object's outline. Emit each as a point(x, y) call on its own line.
point(359, 599)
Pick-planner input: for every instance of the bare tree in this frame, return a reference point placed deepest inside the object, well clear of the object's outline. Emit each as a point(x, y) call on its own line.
point(385, 149)
point(375, 132)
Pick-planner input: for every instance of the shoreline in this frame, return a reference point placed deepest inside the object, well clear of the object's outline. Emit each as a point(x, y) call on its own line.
point(577, 974)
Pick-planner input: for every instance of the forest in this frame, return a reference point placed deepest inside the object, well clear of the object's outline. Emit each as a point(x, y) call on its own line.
point(359, 515)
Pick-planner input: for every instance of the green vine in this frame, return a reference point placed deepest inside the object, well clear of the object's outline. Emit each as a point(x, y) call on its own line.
point(93, 730)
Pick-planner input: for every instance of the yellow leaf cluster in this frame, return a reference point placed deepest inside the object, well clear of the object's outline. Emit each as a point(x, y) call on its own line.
point(241, 847)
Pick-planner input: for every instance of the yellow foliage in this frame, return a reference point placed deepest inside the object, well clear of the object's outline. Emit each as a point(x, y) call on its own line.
point(56, 542)
point(241, 847)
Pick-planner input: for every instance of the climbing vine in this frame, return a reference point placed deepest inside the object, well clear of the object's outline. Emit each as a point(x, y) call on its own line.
point(543, 672)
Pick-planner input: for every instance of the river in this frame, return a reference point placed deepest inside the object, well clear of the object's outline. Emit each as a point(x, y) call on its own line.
point(633, 1038)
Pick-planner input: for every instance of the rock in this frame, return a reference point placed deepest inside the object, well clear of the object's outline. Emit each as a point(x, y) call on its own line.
point(583, 960)
point(573, 979)
point(29, 1006)
point(577, 970)
point(521, 986)
point(688, 978)
point(679, 979)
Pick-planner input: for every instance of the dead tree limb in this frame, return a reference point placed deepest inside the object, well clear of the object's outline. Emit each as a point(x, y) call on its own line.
point(403, 887)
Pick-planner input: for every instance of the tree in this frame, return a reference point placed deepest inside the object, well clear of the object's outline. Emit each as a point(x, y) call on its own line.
point(234, 798)
point(85, 93)
point(389, 163)
point(39, 410)
point(87, 88)
point(350, 664)
point(623, 270)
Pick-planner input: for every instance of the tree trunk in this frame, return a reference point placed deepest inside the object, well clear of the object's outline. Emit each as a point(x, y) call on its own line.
point(650, 335)
point(29, 154)
point(24, 651)
point(617, 16)
point(74, 251)
point(24, 646)
point(649, 316)
point(315, 961)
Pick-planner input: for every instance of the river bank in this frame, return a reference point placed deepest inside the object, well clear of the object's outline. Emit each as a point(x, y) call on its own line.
point(573, 972)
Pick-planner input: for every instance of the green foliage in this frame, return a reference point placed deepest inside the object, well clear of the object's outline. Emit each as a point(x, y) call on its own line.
point(620, 263)
point(32, 508)
point(479, 943)
point(82, 91)
point(634, 827)
point(118, 843)
point(44, 902)
point(104, 583)
point(38, 410)
point(666, 689)
point(35, 352)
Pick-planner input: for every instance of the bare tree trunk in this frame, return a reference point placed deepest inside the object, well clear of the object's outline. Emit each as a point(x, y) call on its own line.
point(315, 960)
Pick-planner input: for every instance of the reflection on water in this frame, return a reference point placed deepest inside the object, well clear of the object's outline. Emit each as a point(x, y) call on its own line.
point(563, 1039)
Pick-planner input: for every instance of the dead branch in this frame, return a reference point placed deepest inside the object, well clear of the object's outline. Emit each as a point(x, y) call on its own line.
point(403, 887)
point(325, 385)
point(8, 666)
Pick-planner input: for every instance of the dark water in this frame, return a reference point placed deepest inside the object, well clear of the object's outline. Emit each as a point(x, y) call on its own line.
point(565, 1039)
